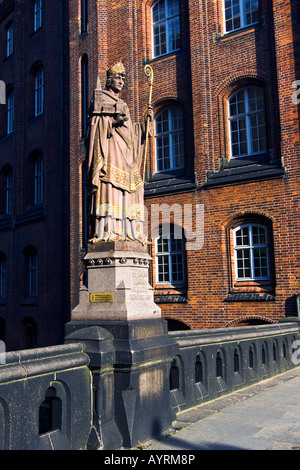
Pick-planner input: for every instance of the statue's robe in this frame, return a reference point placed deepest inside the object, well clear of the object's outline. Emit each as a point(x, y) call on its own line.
point(115, 185)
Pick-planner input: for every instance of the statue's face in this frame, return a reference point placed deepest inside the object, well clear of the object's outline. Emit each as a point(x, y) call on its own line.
point(116, 82)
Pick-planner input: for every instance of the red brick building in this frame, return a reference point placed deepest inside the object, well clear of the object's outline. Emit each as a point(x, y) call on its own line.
point(34, 174)
point(222, 164)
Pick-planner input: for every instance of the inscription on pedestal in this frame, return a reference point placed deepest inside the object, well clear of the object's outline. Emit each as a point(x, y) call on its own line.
point(103, 297)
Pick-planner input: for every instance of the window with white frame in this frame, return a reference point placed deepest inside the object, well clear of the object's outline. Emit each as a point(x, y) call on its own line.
point(165, 27)
point(9, 40)
point(251, 252)
point(37, 14)
point(39, 91)
point(247, 123)
point(170, 260)
point(3, 276)
point(38, 180)
point(10, 111)
point(240, 13)
point(169, 140)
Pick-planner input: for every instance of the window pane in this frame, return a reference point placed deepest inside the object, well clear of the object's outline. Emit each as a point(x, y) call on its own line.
point(37, 14)
point(259, 236)
point(232, 14)
point(258, 133)
point(162, 122)
point(251, 11)
point(238, 137)
point(242, 237)
point(169, 140)
point(247, 122)
point(176, 119)
point(169, 259)
point(39, 92)
point(163, 268)
point(166, 27)
point(38, 181)
point(33, 275)
point(237, 104)
point(176, 244)
point(177, 268)
point(10, 112)
point(159, 38)
point(9, 40)
point(159, 11)
point(173, 7)
point(243, 263)
point(9, 186)
point(173, 35)
point(251, 252)
point(260, 262)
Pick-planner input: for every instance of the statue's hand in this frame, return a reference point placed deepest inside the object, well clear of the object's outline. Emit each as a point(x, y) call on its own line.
point(150, 113)
point(119, 119)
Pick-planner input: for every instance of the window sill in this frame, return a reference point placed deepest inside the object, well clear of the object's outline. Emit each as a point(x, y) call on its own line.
point(161, 58)
point(161, 184)
point(244, 171)
point(236, 33)
point(170, 299)
point(5, 221)
point(33, 215)
point(170, 294)
point(30, 301)
point(250, 297)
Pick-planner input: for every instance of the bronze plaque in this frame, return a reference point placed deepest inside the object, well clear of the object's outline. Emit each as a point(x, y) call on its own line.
point(102, 297)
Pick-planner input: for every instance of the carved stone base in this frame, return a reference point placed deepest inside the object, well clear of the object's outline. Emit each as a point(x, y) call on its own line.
point(117, 284)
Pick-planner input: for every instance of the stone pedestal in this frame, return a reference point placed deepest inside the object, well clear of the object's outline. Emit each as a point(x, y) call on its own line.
point(118, 299)
point(141, 387)
point(117, 284)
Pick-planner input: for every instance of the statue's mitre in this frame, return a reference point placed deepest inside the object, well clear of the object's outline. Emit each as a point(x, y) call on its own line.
point(116, 68)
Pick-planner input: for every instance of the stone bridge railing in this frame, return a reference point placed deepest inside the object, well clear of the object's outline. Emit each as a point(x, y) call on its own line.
point(45, 399)
point(212, 363)
point(85, 395)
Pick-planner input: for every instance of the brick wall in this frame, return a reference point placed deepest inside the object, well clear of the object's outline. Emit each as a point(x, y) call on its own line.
point(200, 77)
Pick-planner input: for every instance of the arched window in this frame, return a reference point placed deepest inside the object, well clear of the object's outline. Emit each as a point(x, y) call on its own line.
point(169, 139)
point(35, 180)
point(28, 334)
point(247, 124)
point(9, 40)
point(10, 111)
point(31, 272)
point(37, 14)
point(251, 252)
point(240, 13)
point(84, 94)
point(84, 15)
point(38, 180)
point(165, 27)
point(39, 92)
point(170, 259)
point(3, 276)
point(6, 191)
